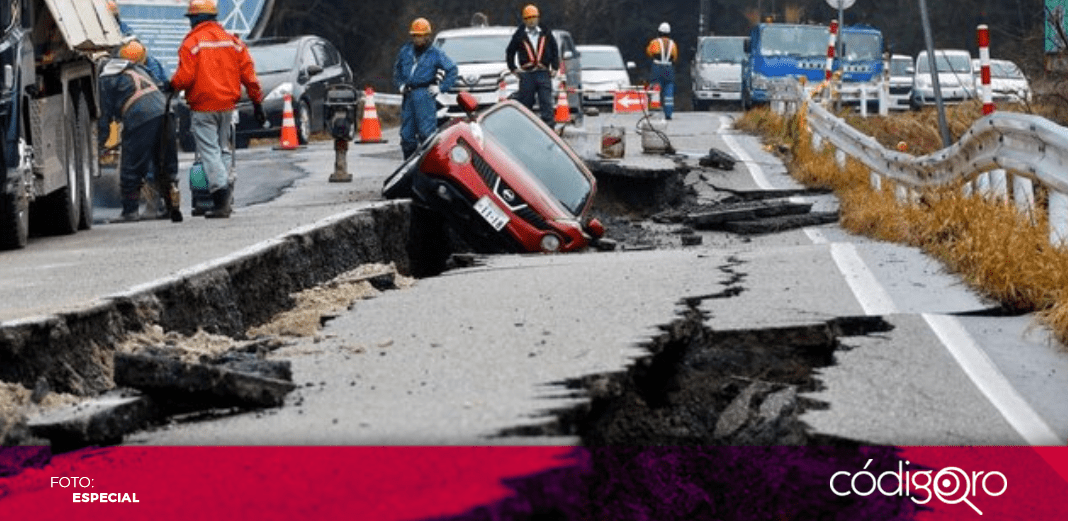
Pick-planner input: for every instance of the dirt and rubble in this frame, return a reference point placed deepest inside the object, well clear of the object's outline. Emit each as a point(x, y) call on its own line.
point(159, 374)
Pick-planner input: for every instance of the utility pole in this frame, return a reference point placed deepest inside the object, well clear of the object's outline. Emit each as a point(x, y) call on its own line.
point(932, 64)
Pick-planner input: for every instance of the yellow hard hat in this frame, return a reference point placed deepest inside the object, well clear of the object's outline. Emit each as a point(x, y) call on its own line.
point(133, 51)
point(530, 11)
point(420, 27)
point(113, 7)
point(197, 7)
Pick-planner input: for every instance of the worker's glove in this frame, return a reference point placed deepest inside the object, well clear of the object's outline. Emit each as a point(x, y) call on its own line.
point(434, 90)
point(259, 114)
point(403, 88)
point(166, 88)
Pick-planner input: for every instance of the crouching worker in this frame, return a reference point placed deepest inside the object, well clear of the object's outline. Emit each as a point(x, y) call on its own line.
point(129, 94)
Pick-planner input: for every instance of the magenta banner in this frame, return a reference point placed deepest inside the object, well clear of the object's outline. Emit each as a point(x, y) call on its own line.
point(499, 483)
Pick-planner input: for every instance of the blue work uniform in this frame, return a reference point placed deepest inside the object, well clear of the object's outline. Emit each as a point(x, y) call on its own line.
point(413, 73)
point(129, 94)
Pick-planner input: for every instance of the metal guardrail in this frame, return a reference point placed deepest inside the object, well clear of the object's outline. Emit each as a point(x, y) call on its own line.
point(1000, 152)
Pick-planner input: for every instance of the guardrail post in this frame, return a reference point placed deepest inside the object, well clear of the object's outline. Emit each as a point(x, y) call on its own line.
point(840, 158)
point(998, 185)
point(982, 184)
point(1023, 194)
point(875, 180)
point(863, 101)
point(817, 142)
point(884, 98)
point(1058, 218)
point(902, 193)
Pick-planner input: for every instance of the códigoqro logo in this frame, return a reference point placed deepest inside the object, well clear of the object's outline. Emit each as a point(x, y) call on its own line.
point(950, 485)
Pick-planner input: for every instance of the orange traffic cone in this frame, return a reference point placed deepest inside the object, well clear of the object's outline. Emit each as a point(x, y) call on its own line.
point(654, 97)
point(289, 139)
point(501, 97)
point(370, 129)
point(563, 110)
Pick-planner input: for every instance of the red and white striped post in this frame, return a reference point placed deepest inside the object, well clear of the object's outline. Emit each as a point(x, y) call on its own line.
point(829, 69)
point(984, 68)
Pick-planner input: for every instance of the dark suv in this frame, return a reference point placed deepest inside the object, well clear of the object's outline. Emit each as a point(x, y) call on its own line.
point(304, 66)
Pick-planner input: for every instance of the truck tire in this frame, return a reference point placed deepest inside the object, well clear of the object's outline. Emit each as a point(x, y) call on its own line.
point(14, 221)
point(87, 162)
point(59, 213)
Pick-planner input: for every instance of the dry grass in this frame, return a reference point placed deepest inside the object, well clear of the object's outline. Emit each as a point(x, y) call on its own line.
point(993, 247)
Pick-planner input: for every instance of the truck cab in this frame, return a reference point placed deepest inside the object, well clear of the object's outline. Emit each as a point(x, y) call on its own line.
point(717, 70)
point(49, 107)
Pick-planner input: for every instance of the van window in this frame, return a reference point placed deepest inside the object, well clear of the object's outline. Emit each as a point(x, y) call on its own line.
point(721, 50)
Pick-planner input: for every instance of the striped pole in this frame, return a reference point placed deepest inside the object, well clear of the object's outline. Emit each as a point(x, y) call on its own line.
point(830, 50)
point(827, 72)
point(984, 67)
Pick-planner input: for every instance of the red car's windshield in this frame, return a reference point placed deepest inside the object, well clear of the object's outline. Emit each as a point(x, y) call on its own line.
point(530, 146)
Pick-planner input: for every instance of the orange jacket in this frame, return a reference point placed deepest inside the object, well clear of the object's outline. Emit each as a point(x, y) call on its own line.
point(212, 66)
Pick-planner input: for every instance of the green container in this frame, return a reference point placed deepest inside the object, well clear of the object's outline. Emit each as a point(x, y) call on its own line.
point(198, 179)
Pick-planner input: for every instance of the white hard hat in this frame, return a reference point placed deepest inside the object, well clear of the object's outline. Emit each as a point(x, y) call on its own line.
point(665, 28)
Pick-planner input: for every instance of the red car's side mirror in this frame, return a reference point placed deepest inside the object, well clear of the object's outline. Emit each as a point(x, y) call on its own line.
point(595, 228)
point(467, 102)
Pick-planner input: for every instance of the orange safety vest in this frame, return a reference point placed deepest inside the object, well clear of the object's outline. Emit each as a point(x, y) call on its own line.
point(663, 53)
point(535, 57)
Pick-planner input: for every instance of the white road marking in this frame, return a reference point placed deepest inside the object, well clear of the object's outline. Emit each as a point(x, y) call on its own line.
point(971, 358)
point(991, 382)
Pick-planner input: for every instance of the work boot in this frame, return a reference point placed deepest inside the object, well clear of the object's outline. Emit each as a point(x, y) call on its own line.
point(130, 210)
point(222, 209)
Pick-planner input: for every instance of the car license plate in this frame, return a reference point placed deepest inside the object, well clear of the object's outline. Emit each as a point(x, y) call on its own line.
point(491, 213)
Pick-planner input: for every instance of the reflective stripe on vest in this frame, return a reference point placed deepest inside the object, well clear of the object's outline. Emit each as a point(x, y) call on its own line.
point(667, 45)
point(535, 58)
point(143, 86)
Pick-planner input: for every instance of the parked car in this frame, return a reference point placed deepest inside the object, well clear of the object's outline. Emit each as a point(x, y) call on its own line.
point(603, 73)
point(502, 180)
point(900, 78)
point(479, 52)
point(956, 77)
point(716, 70)
point(1007, 82)
point(303, 66)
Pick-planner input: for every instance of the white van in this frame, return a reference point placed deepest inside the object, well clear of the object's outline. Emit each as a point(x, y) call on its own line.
point(717, 70)
point(956, 77)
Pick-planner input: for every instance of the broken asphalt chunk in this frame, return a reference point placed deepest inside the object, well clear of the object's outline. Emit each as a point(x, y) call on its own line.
point(200, 385)
point(103, 420)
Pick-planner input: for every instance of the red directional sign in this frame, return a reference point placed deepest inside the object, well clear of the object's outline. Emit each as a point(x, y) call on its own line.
point(630, 101)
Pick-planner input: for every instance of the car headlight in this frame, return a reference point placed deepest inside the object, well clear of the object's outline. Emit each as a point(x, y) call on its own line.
point(279, 92)
point(550, 243)
point(459, 155)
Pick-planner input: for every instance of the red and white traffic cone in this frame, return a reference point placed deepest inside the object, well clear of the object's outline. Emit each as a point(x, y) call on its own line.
point(289, 140)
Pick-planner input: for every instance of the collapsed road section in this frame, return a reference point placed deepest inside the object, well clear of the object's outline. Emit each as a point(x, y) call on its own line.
point(71, 350)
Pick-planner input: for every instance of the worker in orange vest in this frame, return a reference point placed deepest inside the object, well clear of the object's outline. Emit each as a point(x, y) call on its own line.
point(664, 53)
point(538, 60)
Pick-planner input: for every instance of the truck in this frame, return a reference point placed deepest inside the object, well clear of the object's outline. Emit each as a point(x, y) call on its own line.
point(49, 107)
point(789, 51)
point(716, 70)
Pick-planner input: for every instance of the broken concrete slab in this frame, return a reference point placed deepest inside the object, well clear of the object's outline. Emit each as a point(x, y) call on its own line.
point(745, 211)
point(103, 420)
point(198, 385)
point(780, 223)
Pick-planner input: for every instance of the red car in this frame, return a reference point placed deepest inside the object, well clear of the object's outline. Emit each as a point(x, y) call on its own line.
point(502, 180)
